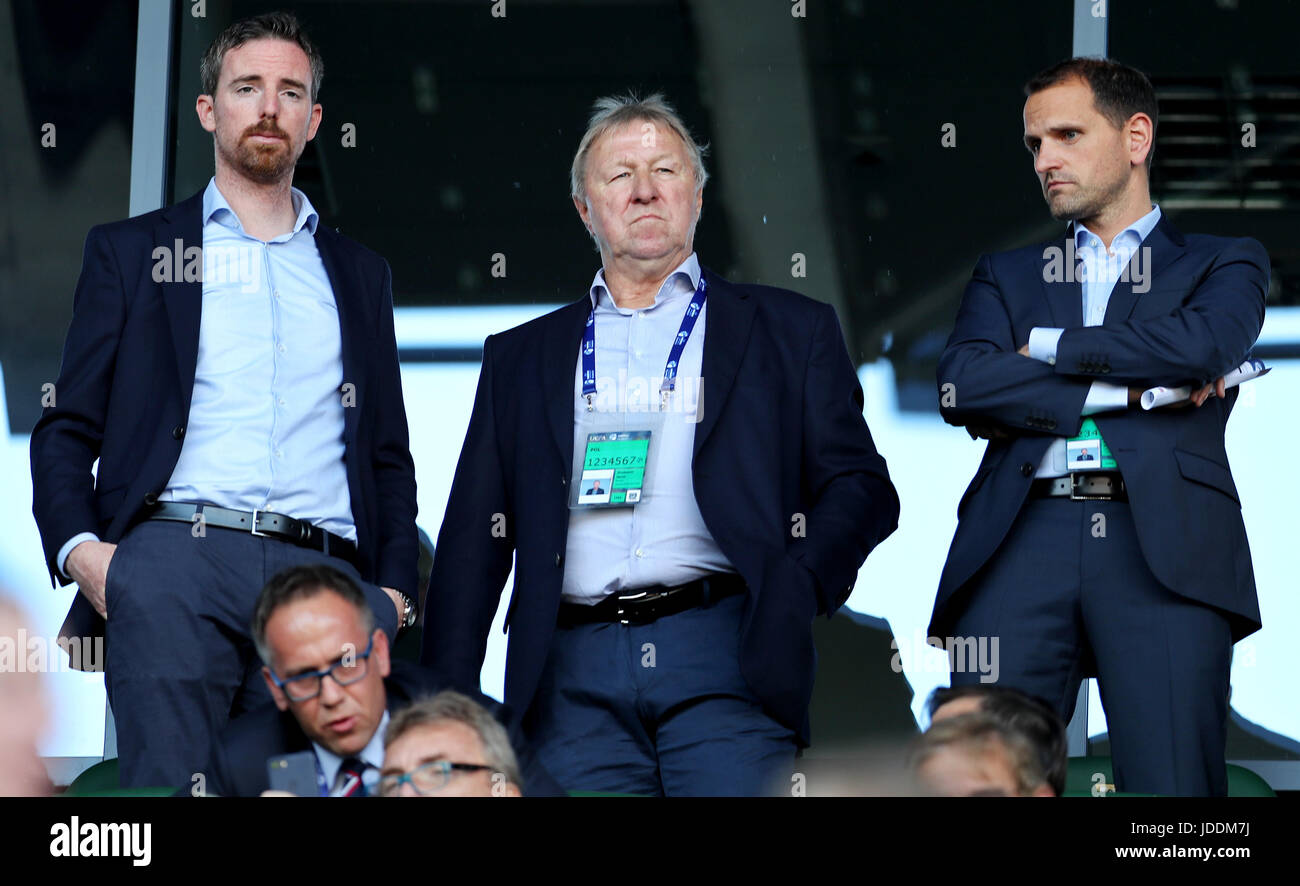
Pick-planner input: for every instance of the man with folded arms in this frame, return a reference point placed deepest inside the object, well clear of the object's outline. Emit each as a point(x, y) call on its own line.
point(1131, 565)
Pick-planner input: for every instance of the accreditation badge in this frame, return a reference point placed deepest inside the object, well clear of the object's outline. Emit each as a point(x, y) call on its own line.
point(613, 468)
point(1088, 451)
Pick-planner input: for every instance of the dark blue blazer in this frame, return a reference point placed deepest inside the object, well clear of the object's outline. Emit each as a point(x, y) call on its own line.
point(237, 760)
point(781, 434)
point(1200, 318)
point(124, 388)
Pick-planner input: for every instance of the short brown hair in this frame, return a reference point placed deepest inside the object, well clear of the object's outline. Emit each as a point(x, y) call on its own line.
point(1118, 91)
point(272, 25)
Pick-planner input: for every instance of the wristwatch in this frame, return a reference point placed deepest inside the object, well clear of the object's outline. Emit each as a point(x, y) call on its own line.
point(408, 612)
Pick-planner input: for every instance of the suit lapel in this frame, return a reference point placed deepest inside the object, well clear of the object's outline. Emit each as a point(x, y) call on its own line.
point(347, 287)
point(179, 230)
point(559, 360)
point(1166, 245)
point(728, 318)
point(1060, 282)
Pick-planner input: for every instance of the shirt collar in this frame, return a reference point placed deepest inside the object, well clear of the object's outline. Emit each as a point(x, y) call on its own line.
point(685, 276)
point(372, 753)
point(1131, 237)
point(215, 208)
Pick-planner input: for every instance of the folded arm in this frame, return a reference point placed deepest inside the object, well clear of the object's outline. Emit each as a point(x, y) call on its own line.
point(1209, 334)
point(984, 380)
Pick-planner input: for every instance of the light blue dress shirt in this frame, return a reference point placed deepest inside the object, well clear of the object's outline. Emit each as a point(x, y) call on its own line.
point(265, 429)
point(663, 540)
point(1102, 270)
point(372, 753)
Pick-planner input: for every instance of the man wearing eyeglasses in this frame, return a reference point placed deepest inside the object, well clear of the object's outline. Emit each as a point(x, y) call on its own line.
point(333, 682)
point(448, 746)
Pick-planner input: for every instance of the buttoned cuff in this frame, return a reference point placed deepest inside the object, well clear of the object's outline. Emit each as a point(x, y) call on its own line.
point(1042, 343)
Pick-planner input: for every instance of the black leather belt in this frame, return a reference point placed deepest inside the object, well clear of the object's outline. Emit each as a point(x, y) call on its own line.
point(1082, 486)
point(644, 605)
point(264, 523)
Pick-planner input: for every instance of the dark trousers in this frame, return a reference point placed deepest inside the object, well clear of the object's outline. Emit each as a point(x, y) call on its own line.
point(1069, 592)
point(658, 709)
point(180, 657)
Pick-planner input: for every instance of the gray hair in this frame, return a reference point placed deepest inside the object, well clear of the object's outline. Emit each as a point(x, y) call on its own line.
point(453, 707)
point(614, 111)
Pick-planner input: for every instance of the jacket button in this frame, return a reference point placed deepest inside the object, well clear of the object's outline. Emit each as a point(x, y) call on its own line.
point(151, 499)
point(558, 559)
point(1027, 469)
point(178, 432)
point(564, 481)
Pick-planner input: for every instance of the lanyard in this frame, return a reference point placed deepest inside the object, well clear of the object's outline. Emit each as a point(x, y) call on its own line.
point(669, 383)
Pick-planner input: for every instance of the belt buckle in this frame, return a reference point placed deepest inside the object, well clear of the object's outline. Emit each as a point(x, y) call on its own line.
point(253, 528)
point(641, 596)
point(1076, 482)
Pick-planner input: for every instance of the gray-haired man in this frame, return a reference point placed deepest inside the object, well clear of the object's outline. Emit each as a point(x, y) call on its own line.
point(448, 746)
point(660, 632)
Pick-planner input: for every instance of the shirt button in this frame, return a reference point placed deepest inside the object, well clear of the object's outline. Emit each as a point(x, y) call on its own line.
point(640, 553)
point(279, 453)
point(281, 401)
point(277, 293)
point(281, 348)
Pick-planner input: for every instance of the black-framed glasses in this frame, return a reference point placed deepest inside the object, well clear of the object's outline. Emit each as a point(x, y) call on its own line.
point(427, 778)
point(302, 687)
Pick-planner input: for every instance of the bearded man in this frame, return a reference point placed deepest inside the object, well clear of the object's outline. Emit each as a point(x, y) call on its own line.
point(232, 365)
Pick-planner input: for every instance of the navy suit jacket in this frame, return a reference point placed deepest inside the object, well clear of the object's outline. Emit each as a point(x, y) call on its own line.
point(124, 388)
point(781, 435)
point(237, 760)
point(1199, 319)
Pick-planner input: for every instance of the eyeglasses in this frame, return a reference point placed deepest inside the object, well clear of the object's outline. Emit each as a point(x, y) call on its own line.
point(302, 687)
point(427, 778)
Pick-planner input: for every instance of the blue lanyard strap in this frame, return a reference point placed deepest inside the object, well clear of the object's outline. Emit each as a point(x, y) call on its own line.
point(669, 383)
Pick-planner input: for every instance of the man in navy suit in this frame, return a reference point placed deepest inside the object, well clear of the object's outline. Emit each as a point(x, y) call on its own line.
point(660, 643)
point(310, 621)
point(231, 364)
point(1136, 570)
